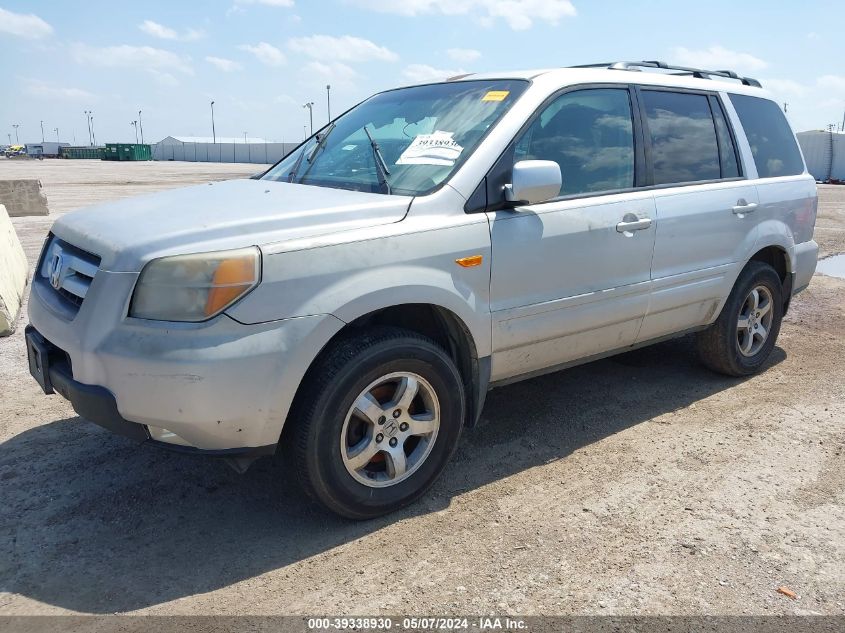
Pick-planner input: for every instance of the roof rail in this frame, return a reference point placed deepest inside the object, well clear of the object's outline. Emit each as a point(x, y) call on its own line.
point(682, 70)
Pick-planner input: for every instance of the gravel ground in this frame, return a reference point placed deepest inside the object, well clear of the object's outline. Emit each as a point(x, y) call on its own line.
point(637, 485)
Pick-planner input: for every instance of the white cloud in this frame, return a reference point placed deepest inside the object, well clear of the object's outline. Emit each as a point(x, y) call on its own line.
point(223, 64)
point(316, 74)
point(125, 56)
point(834, 83)
point(518, 14)
point(164, 78)
point(287, 100)
point(717, 58)
point(25, 25)
point(166, 33)
point(38, 88)
point(344, 48)
point(265, 53)
point(239, 5)
point(334, 72)
point(158, 30)
point(421, 73)
point(784, 86)
point(464, 55)
point(269, 3)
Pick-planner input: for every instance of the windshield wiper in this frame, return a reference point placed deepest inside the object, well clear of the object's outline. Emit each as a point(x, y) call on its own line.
point(295, 169)
point(381, 166)
point(321, 141)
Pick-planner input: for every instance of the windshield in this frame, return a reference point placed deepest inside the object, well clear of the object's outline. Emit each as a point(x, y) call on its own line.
point(405, 141)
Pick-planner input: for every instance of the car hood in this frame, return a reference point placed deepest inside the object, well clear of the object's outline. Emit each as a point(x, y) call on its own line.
point(127, 233)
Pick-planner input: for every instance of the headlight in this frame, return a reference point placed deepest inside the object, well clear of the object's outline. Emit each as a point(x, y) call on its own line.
point(195, 287)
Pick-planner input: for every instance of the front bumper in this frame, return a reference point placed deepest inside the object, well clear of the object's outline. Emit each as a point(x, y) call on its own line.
point(213, 386)
point(50, 367)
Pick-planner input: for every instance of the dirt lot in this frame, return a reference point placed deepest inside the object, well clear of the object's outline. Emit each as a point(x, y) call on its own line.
point(641, 484)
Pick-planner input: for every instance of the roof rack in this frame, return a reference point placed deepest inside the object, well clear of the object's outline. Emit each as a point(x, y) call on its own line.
point(682, 70)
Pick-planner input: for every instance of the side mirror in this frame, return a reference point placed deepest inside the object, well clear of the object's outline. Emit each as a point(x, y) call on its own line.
point(534, 181)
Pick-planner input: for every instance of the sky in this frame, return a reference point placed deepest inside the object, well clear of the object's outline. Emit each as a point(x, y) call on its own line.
point(261, 60)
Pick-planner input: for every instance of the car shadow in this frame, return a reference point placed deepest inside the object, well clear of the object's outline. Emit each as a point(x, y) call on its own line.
point(94, 523)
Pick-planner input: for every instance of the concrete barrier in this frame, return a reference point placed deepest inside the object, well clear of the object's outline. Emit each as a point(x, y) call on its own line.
point(23, 197)
point(14, 272)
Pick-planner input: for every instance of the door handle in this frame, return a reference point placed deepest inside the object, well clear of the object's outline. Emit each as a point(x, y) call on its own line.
point(628, 225)
point(742, 207)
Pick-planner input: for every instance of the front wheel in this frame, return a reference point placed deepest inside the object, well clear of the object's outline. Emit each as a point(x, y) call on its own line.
point(741, 339)
point(377, 422)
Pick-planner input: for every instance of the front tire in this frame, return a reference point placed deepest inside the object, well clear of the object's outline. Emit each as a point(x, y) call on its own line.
point(741, 339)
point(377, 422)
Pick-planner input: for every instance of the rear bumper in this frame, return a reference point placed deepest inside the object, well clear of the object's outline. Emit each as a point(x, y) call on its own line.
point(806, 256)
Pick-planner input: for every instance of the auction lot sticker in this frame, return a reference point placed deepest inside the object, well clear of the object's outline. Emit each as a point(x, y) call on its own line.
point(437, 148)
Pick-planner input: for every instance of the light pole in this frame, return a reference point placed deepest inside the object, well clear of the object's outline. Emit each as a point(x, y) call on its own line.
point(16, 126)
point(93, 133)
point(88, 120)
point(785, 107)
point(10, 138)
point(56, 130)
point(310, 106)
point(244, 138)
point(329, 101)
point(213, 132)
point(135, 125)
point(304, 132)
point(42, 131)
point(141, 124)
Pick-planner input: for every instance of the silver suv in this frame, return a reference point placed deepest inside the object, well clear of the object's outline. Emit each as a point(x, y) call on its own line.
point(351, 307)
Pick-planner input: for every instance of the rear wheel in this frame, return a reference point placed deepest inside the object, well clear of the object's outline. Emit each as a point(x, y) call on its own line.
point(378, 422)
point(741, 339)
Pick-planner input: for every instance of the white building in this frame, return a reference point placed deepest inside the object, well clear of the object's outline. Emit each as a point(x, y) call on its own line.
point(225, 150)
point(181, 140)
point(824, 153)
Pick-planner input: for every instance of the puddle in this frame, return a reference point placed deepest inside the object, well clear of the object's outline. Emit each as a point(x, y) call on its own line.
point(832, 266)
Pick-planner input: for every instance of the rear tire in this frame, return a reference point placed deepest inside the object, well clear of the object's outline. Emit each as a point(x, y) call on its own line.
point(741, 339)
point(377, 422)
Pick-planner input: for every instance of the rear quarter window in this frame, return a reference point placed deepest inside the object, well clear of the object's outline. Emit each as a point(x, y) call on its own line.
point(772, 142)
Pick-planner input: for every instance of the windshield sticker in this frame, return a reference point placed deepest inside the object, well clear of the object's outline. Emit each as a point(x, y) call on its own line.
point(438, 148)
point(496, 95)
point(348, 148)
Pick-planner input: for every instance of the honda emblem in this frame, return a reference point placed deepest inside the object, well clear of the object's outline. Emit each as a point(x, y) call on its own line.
point(56, 270)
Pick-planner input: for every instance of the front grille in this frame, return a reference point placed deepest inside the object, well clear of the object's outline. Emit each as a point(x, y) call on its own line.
point(72, 298)
point(68, 270)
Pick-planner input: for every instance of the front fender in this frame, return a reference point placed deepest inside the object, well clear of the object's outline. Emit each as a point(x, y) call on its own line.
point(431, 289)
point(351, 279)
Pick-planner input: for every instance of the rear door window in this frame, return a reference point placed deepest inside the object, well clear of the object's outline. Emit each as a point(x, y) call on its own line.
point(684, 146)
point(772, 142)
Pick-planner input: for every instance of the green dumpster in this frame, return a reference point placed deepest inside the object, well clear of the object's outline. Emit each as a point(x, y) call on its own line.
point(82, 152)
point(127, 151)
